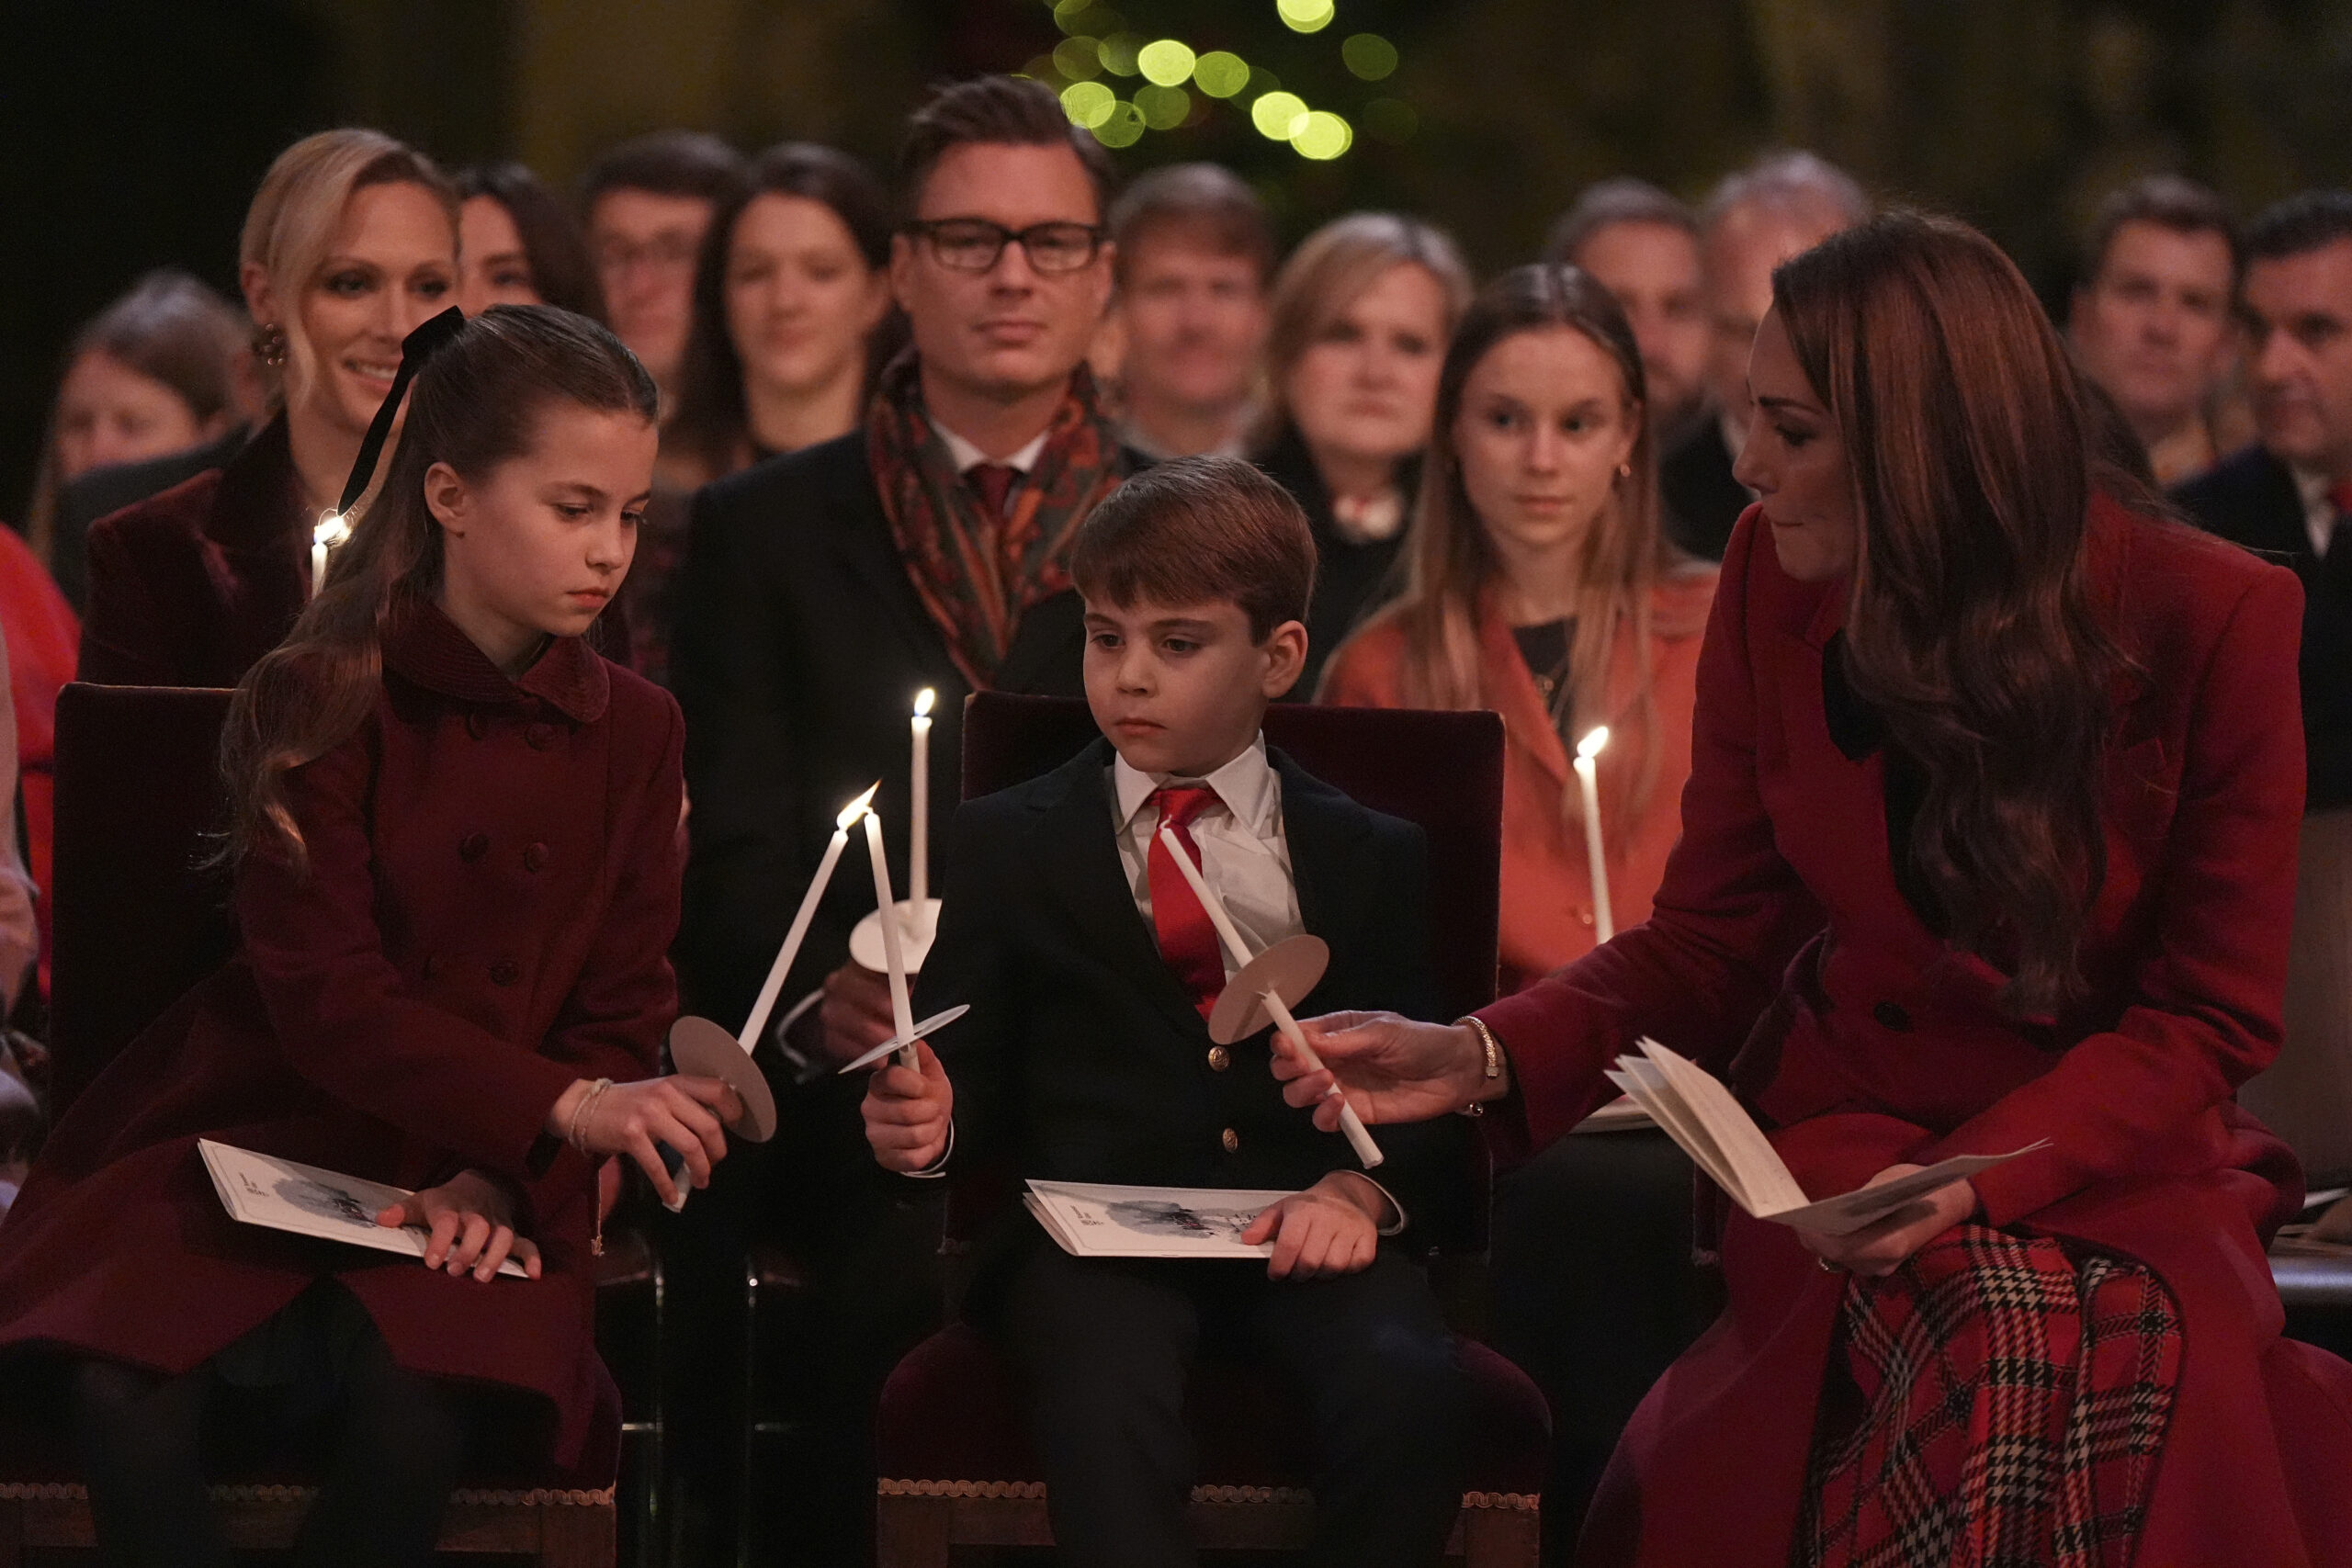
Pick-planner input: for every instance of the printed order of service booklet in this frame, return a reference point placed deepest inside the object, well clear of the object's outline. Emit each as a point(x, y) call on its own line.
point(1699, 1113)
point(1093, 1221)
point(262, 1190)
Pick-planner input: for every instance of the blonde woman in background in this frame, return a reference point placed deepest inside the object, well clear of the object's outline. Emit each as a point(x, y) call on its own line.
point(1361, 315)
point(351, 242)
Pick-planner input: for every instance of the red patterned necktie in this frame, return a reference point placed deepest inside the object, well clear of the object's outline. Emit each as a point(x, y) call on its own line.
point(992, 482)
point(1187, 938)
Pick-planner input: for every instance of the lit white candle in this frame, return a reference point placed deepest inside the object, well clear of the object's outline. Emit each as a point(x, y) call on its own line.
point(919, 793)
point(331, 532)
point(902, 1010)
point(1604, 925)
point(1351, 1123)
point(758, 1021)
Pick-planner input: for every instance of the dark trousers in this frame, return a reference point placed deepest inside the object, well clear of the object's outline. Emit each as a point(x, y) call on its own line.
point(1595, 1295)
point(1105, 1347)
point(393, 1443)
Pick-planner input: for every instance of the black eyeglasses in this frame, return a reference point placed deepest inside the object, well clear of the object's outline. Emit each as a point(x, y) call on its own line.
point(973, 244)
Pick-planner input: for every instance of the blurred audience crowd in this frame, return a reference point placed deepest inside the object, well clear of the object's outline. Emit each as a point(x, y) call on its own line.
point(1518, 495)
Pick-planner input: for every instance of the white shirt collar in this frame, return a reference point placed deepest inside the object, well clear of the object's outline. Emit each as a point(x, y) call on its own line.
point(2319, 511)
point(968, 456)
point(1247, 786)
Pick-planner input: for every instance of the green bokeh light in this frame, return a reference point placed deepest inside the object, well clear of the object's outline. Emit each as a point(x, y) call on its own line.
point(1220, 74)
point(1306, 16)
point(1119, 51)
point(1123, 127)
point(1369, 55)
point(1164, 109)
point(1166, 64)
point(1278, 116)
point(1078, 60)
point(1088, 104)
point(1321, 135)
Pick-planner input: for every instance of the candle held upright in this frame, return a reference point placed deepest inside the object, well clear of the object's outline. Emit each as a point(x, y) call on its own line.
point(332, 531)
point(919, 796)
point(1604, 923)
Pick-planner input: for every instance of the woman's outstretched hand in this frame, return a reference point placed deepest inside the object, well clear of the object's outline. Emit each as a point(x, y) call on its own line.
point(1885, 1245)
point(1391, 1068)
point(471, 1222)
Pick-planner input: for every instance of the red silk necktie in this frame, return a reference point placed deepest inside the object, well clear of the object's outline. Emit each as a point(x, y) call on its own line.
point(1187, 938)
point(992, 482)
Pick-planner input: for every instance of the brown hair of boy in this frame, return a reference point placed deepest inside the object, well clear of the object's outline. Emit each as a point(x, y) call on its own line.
point(1200, 531)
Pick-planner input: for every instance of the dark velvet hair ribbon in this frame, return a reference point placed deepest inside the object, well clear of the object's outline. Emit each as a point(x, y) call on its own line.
point(419, 346)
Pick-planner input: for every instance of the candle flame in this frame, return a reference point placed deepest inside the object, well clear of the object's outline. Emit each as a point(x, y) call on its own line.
point(923, 699)
point(1594, 740)
point(333, 530)
point(856, 808)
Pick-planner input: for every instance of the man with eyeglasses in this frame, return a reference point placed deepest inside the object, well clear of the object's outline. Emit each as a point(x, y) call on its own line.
point(646, 204)
point(822, 591)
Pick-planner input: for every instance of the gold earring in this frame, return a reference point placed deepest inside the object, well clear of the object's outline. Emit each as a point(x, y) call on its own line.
point(269, 344)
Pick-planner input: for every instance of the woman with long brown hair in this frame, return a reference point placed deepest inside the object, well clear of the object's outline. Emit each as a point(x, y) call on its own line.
point(455, 834)
point(350, 243)
point(1539, 585)
point(1989, 847)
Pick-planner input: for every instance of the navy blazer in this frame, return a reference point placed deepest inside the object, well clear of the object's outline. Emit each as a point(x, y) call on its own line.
point(2251, 500)
point(1083, 1058)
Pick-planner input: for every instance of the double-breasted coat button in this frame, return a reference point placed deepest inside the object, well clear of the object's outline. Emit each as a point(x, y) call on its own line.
point(1219, 1058)
point(1231, 1139)
point(534, 857)
point(473, 846)
point(477, 723)
point(1891, 1015)
point(541, 736)
point(505, 972)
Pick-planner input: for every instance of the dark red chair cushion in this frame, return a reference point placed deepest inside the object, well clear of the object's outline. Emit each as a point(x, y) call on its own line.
point(951, 1412)
point(1441, 770)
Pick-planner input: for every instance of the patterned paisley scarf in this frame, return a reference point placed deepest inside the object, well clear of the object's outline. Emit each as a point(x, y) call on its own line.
point(975, 572)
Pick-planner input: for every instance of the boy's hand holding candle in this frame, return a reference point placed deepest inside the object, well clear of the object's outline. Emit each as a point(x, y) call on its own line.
point(909, 1112)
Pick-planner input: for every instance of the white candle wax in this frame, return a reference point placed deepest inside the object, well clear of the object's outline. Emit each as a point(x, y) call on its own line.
point(758, 1021)
point(919, 793)
point(902, 1011)
point(1604, 924)
point(332, 530)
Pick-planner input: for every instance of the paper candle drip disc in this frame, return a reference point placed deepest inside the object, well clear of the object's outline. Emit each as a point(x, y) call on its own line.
point(918, 929)
point(700, 1049)
point(1289, 969)
point(923, 1030)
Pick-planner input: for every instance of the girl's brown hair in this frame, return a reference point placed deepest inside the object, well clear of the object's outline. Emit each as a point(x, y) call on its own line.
point(1970, 628)
point(1450, 565)
point(476, 404)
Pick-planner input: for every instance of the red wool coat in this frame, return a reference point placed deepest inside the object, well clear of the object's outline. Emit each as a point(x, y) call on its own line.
point(494, 884)
point(1880, 1043)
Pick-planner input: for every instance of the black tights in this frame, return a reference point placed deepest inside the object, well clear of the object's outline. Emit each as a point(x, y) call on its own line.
point(143, 1438)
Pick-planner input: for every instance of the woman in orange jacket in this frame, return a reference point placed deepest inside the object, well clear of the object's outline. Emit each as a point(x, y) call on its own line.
point(1539, 586)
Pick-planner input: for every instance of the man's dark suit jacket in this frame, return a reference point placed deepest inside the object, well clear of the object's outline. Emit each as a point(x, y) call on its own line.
point(799, 648)
point(1083, 1058)
point(2251, 498)
point(1702, 501)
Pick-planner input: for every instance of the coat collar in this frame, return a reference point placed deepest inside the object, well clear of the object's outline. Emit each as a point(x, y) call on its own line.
point(424, 645)
point(257, 507)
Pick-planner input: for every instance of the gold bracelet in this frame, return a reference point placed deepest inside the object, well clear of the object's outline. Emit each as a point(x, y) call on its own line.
point(1494, 1059)
point(581, 1112)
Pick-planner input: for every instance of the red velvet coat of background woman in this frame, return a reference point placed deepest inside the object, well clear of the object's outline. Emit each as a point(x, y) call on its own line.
point(1883, 1045)
point(493, 887)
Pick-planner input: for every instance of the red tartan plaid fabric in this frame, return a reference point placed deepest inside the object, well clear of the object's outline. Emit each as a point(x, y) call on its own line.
point(2000, 1404)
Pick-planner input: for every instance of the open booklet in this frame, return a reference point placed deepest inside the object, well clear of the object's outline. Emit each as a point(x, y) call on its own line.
point(1093, 1221)
point(262, 1190)
point(1699, 1113)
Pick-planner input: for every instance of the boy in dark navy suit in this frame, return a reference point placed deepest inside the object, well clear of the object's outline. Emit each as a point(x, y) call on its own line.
point(1090, 965)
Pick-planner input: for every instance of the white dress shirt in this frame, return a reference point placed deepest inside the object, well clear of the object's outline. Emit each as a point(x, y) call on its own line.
point(2319, 511)
point(969, 457)
point(1245, 858)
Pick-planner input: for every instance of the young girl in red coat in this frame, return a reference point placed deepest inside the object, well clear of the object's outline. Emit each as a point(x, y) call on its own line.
point(456, 833)
point(1990, 838)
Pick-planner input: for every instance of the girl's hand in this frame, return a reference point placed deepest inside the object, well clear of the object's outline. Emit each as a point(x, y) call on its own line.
point(1880, 1248)
point(908, 1114)
point(1392, 1069)
point(1327, 1229)
point(630, 1118)
point(471, 1222)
